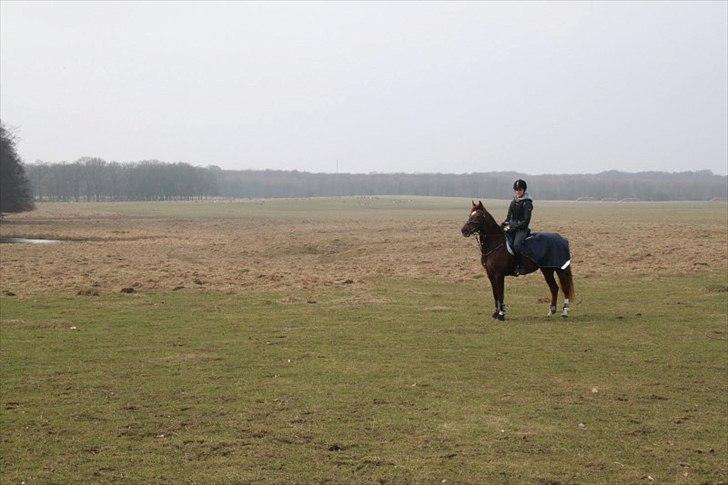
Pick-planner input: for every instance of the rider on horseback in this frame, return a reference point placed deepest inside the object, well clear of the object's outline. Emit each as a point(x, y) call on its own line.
point(517, 220)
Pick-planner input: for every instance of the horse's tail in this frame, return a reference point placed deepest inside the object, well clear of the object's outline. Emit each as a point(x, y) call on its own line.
point(567, 282)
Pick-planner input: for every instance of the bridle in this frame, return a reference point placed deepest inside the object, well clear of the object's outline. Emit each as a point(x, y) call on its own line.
point(481, 239)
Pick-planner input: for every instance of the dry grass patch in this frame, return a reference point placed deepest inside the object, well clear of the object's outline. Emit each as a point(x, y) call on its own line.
point(259, 245)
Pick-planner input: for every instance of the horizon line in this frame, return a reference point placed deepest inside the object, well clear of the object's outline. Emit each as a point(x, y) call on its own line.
point(707, 171)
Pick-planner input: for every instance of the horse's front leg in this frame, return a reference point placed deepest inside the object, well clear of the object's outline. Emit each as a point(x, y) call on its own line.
point(494, 287)
point(501, 305)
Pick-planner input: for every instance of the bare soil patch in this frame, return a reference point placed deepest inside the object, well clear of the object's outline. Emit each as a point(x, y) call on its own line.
point(347, 248)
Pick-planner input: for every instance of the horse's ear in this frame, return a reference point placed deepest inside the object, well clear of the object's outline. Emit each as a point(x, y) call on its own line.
point(473, 202)
point(480, 204)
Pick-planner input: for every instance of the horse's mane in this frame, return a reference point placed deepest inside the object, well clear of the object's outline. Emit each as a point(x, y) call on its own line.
point(491, 227)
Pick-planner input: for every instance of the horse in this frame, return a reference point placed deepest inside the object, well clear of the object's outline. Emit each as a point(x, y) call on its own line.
point(499, 263)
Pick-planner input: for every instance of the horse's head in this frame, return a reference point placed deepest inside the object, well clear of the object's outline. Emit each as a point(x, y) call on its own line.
point(476, 221)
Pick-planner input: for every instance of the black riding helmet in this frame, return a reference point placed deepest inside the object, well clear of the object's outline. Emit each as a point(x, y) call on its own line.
point(519, 184)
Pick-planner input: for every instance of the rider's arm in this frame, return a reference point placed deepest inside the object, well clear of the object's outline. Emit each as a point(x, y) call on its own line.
point(510, 213)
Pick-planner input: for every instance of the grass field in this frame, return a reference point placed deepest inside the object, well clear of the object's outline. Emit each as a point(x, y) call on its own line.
point(350, 340)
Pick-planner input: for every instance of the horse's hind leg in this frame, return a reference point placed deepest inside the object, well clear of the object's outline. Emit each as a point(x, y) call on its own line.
point(567, 287)
point(548, 275)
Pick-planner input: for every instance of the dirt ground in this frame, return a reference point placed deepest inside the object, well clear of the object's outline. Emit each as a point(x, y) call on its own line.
point(104, 250)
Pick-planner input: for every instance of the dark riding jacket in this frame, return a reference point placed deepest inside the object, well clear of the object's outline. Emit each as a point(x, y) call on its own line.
point(519, 213)
point(518, 219)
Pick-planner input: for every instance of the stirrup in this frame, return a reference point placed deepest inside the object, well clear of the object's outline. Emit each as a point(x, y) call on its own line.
point(518, 268)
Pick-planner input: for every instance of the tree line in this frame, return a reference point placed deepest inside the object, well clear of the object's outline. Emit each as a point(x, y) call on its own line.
point(15, 191)
point(94, 179)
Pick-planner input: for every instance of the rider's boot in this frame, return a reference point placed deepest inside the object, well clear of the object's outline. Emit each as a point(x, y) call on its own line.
point(518, 265)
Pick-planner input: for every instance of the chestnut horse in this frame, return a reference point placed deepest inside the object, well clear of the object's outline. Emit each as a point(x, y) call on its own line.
point(499, 263)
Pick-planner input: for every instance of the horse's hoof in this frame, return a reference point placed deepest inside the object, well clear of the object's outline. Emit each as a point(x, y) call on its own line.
point(501, 317)
point(495, 314)
point(564, 316)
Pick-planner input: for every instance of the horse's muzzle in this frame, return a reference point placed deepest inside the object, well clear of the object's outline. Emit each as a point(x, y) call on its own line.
point(467, 230)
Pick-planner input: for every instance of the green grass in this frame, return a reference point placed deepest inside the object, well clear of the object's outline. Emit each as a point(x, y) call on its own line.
point(297, 208)
point(420, 384)
point(418, 207)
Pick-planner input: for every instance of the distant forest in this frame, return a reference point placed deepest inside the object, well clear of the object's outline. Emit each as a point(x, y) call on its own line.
point(94, 179)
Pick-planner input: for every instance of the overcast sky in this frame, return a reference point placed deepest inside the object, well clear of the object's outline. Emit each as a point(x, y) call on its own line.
point(387, 87)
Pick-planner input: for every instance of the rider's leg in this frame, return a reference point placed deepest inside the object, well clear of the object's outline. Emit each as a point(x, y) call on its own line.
point(517, 248)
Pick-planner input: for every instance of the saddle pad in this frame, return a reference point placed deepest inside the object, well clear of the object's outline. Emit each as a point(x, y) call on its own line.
point(508, 246)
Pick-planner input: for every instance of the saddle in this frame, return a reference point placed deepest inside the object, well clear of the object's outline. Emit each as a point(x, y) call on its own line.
point(509, 241)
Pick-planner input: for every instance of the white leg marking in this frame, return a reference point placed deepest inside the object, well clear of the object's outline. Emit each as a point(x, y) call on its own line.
point(565, 311)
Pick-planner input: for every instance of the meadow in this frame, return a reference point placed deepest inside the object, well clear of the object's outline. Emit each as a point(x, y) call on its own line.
point(349, 340)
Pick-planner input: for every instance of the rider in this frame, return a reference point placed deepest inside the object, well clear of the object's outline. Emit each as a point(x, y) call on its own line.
point(517, 220)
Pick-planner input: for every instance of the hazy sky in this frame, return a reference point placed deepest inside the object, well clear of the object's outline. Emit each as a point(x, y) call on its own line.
point(410, 87)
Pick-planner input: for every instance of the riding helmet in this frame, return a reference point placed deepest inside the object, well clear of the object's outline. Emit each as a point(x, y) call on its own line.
point(519, 184)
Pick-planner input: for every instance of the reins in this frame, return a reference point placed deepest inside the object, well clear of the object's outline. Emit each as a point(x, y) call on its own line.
point(480, 238)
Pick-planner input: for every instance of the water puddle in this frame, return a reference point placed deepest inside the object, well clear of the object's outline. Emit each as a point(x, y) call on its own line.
point(22, 240)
